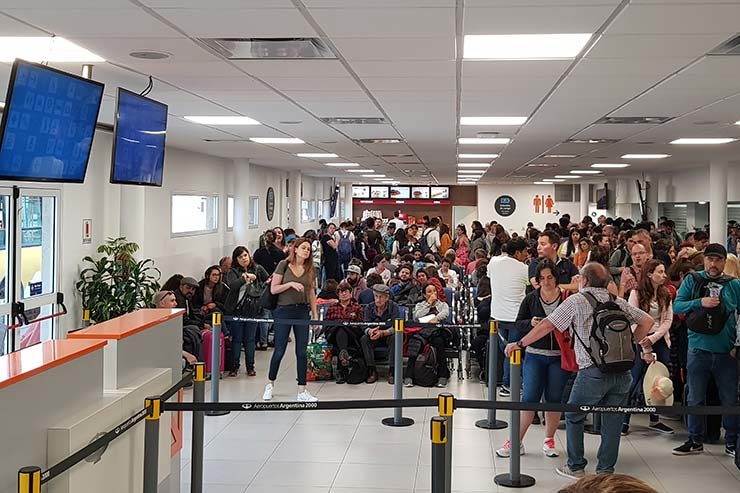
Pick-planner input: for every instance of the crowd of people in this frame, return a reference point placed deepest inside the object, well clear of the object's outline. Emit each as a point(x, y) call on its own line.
point(605, 312)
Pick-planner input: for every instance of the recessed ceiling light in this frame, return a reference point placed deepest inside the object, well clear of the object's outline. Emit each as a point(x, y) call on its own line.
point(276, 140)
point(342, 165)
point(585, 172)
point(523, 46)
point(477, 156)
point(360, 171)
point(44, 49)
point(475, 140)
point(493, 120)
point(542, 183)
point(609, 165)
point(737, 122)
point(473, 165)
point(553, 180)
point(702, 202)
point(566, 177)
point(222, 120)
point(373, 176)
point(380, 179)
point(703, 141)
point(646, 156)
point(561, 156)
point(316, 154)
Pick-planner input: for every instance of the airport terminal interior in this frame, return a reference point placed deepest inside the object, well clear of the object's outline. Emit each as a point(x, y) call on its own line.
point(304, 207)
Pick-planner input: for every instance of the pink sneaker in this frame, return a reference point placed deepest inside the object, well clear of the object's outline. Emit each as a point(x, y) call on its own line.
point(548, 447)
point(505, 451)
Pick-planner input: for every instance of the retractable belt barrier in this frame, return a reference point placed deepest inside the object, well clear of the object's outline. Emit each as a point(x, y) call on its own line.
point(347, 323)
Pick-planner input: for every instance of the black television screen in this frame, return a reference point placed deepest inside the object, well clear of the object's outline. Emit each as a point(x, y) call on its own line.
point(602, 198)
point(138, 140)
point(48, 124)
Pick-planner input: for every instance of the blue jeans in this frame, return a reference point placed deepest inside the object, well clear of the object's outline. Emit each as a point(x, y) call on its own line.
point(543, 375)
point(243, 334)
point(701, 366)
point(282, 332)
point(510, 334)
point(264, 328)
point(592, 387)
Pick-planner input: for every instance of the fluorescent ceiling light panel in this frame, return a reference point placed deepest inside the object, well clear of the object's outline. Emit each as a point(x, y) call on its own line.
point(316, 154)
point(585, 172)
point(703, 141)
point(373, 176)
point(561, 156)
point(360, 171)
point(565, 177)
point(490, 141)
point(542, 183)
point(477, 156)
point(276, 140)
point(524, 46)
point(473, 165)
point(222, 120)
point(553, 180)
point(646, 156)
point(44, 49)
point(493, 120)
point(610, 165)
point(342, 165)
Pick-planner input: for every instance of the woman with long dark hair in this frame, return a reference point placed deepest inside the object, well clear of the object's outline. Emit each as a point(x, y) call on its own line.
point(211, 293)
point(293, 283)
point(246, 280)
point(280, 238)
point(570, 247)
point(652, 296)
point(400, 241)
point(462, 246)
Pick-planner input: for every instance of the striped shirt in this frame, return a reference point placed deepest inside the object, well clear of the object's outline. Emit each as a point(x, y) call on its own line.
point(576, 313)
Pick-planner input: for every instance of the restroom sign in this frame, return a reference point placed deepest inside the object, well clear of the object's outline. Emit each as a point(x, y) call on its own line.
point(86, 231)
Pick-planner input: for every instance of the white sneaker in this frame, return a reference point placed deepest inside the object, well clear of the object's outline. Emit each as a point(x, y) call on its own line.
point(505, 451)
point(267, 395)
point(548, 447)
point(306, 396)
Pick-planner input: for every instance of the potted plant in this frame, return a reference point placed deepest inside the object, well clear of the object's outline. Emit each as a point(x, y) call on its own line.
point(117, 283)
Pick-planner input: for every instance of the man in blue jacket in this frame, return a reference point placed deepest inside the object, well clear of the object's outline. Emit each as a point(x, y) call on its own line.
point(711, 355)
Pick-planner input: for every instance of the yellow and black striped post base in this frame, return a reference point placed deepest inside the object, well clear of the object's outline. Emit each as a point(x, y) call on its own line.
point(29, 480)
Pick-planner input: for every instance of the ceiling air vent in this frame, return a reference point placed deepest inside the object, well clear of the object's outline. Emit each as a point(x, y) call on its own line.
point(592, 141)
point(541, 165)
point(269, 48)
point(633, 120)
point(343, 120)
point(728, 48)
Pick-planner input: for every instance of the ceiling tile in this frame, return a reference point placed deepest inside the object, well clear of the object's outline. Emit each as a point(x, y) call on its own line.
point(292, 68)
point(387, 23)
point(318, 84)
point(396, 49)
point(653, 46)
point(239, 23)
point(678, 19)
point(536, 19)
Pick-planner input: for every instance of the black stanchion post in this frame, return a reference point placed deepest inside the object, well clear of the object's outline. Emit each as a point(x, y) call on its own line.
point(439, 444)
point(398, 419)
point(491, 423)
point(215, 361)
point(515, 479)
point(29, 480)
point(446, 407)
point(196, 456)
point(151, 443)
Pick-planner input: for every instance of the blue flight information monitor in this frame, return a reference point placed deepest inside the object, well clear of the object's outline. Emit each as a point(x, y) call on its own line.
point(48, 124)
point(139, 140)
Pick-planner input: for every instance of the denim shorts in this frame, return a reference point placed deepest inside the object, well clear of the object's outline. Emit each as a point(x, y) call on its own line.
point(543, 375)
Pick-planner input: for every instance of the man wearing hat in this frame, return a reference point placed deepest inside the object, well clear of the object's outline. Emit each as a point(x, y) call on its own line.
point(354, 278)
point(184, 296)
point(383, 311)
point(711, 302)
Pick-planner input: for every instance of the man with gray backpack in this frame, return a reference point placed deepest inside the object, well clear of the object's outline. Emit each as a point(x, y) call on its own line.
point(604, 347)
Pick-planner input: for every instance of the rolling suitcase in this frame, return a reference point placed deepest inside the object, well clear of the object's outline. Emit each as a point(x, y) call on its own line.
point(206, 349)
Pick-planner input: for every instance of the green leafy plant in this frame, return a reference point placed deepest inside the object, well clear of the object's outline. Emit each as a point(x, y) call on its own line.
point(117, 283)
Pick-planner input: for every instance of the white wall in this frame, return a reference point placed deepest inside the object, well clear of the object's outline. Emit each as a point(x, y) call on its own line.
point(524, 212)
point(692, 185)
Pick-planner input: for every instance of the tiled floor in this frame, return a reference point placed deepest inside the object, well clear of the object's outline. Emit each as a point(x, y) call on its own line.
point(351, 452)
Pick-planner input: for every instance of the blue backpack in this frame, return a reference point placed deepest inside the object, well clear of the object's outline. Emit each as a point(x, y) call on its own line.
point(344, 249)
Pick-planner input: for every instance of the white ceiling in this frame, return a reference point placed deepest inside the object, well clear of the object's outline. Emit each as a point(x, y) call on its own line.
point(397, 59)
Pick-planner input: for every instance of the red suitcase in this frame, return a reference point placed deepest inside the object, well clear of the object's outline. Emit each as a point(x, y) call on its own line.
point(206, 349)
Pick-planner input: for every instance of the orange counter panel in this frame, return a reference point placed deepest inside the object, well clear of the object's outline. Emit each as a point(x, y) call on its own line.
point(127, 325)
point(33, 360)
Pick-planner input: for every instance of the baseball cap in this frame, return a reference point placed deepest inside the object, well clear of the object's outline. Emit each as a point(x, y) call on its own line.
point(715, 250)
point(189, 281)
point(382, 289)
point(354, 268)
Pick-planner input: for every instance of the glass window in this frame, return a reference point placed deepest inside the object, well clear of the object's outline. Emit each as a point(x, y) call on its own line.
point(308, 211)
point(4, 261)
point(254, 212)
point(38, 231)
point(194, 214)
point(229, 213)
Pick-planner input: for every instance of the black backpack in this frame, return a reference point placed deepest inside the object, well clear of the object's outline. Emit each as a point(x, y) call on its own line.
point(708, 321)
point(425, 367)
point(610, 344)
point(356, 371)
point(424, 243)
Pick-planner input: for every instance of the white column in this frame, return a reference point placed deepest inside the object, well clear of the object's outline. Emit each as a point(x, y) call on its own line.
point(718, 201)
point(294, 200)
point(651, 197)
point(348, 211)
point(133, 216)
point(241, 201)
point(584, 203)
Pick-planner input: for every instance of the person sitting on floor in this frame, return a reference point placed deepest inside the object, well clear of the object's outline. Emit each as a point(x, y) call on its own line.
point(344, 339)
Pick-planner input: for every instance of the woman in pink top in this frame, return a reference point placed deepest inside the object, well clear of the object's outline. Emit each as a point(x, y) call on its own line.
point(652, 296)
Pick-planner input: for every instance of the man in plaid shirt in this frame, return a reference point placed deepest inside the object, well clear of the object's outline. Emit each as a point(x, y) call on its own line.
point(591, 387)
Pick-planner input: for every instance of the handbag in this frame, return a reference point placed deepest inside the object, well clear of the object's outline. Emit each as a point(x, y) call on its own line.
point(249, 304)
point(267, 300)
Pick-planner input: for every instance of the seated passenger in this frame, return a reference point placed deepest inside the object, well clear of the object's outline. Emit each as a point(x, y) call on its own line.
point(431, 310)
point(211, 293)
point(448, 275)
point(184, 296)
point(225, 265)
point(383, 311)
point(345, 340)
point(407, 292)
point(381, 267)
point(190, 335)
point(366, 297)
point(328, 292)
point(355, 280)
point(480, 254)
point(433, 278)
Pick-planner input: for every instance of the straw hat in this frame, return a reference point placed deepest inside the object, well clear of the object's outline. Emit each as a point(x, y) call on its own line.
point(657, 385)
